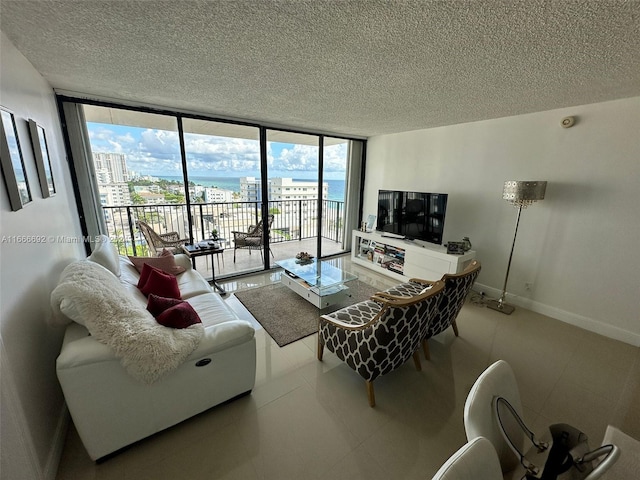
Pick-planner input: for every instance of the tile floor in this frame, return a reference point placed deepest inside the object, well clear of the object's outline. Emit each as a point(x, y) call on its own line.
point(307, 419)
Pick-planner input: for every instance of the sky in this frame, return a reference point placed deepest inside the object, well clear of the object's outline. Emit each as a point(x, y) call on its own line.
point(157, 152)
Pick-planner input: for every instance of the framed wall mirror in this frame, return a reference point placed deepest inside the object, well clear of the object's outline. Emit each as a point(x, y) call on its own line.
point(13, 172)
point(43, 161)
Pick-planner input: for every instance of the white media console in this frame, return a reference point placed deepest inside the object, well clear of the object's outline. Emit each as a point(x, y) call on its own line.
point(404, 259)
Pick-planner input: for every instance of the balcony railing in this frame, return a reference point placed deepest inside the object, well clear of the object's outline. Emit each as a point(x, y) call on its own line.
point(293, 220)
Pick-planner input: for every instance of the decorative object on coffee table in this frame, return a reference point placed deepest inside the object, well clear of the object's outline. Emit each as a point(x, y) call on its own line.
point(304, 257)
point(520, 194)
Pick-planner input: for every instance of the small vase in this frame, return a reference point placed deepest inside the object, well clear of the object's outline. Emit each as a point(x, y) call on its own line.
point(466, 244)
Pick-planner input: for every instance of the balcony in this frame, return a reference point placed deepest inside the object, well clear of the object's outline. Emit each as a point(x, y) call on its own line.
point(293, 229)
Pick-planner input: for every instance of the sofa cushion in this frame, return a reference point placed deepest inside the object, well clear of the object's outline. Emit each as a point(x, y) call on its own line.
point(191, 283)
point(166, 262)
point(181, 315)
point(156, 305)
point(106, 254)
point(211, 309)
point(161, 284)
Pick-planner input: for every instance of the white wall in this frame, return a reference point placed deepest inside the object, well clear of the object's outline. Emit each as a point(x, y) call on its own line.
point(580, 247)
point(33, 412)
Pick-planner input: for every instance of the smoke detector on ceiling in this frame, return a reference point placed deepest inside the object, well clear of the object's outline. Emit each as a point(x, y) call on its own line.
point(568, 122)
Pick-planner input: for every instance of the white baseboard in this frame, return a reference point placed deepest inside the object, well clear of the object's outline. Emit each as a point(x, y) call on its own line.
point(580, 321)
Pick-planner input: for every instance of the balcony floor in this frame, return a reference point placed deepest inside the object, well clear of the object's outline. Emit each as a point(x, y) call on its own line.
point(251, 261)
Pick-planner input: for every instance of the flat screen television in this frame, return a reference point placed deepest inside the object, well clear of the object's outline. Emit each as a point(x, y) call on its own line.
point(413, 215)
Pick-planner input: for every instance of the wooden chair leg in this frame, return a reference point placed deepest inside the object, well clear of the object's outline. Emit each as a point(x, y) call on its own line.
point(455, 327)
point(425, 349)
point(416, 360)
point(320, 347)
point(370, 394)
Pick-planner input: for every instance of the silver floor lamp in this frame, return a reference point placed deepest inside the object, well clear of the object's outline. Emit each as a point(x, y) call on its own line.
point(520, 194)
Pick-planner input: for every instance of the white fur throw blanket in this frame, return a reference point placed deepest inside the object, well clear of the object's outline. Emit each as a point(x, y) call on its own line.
point(91, 295)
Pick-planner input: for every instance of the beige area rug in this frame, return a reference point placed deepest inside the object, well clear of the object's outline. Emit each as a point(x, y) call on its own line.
point(288, 317)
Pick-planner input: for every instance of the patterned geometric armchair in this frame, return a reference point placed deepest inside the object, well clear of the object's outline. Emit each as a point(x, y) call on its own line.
point(159, 241)
point(457, 287)
point(376, 336)
point(253, 239)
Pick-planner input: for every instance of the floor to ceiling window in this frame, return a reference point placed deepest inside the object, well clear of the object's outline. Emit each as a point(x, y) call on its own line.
point(223, 170)
point(292, 169)
point(138, 170)
point(334, 174)
point(203, 177)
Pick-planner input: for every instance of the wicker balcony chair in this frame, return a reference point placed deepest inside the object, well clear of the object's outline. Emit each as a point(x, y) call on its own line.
point(253, 239)
point(457, 287)
point(159, 241)
point(376, 336)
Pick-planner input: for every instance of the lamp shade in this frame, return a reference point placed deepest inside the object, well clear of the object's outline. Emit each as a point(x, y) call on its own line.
point(523, 193)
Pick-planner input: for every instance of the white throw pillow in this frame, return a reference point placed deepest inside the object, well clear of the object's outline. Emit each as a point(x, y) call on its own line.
point(105, 253)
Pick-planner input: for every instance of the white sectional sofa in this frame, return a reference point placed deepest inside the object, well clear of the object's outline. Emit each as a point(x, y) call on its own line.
point(111, 408)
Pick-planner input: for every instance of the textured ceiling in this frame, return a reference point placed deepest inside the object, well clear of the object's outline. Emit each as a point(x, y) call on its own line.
point(360, 67)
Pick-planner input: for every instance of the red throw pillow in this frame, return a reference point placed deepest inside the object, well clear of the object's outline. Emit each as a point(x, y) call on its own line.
point(156, 305)
point(166, 262)
point(144, 275)
point(161, 284)
point(179, 316)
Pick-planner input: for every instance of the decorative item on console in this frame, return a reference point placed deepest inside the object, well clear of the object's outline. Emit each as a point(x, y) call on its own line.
point(457, 248)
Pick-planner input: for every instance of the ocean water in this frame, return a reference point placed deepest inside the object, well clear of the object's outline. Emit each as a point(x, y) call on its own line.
point(336, 187)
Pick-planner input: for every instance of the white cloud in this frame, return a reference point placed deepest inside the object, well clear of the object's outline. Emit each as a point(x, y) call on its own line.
point(157, 152)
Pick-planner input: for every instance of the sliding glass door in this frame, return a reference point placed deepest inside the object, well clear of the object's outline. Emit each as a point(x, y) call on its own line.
point(294, 192)
point(335, 161)
point(223, 171)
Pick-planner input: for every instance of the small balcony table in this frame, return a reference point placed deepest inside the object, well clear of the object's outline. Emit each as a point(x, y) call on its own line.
point(205, 247)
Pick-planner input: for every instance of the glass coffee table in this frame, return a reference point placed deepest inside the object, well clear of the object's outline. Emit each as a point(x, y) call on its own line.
point(318, 282)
